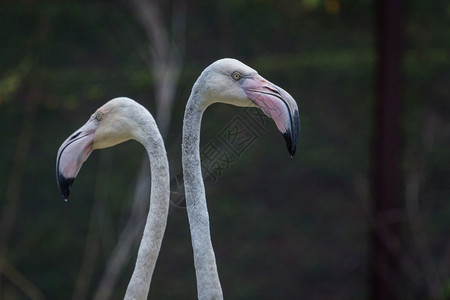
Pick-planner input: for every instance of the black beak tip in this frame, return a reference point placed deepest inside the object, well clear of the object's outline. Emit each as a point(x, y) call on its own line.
point(292, 135)
point(64, 185)
point(290, 144)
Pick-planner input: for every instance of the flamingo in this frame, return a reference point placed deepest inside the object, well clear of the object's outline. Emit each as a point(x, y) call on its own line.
point(117, 121)
point(232, 82)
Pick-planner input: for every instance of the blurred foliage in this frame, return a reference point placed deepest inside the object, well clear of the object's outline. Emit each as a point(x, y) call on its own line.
point(282, 228)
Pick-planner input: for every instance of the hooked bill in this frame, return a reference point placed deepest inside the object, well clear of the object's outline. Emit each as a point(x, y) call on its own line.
point(278, 105)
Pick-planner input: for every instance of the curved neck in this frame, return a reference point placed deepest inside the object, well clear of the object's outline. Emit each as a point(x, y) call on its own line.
point(208, 283)
point(150, 137)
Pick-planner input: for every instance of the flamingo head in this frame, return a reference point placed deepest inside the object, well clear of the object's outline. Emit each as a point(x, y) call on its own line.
point(111, 124)
point(230, 81)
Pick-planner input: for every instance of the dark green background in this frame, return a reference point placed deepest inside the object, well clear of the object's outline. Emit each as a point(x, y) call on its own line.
point(282, 228)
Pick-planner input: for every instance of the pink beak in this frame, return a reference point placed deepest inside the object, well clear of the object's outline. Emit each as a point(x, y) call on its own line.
point(72, 154)
point(277, 104)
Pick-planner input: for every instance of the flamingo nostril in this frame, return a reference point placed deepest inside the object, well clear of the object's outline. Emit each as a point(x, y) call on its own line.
point(75, 135)
point(272, 89)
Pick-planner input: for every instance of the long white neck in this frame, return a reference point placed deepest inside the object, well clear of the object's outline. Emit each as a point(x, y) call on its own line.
point(208, 283)
point(148, 135)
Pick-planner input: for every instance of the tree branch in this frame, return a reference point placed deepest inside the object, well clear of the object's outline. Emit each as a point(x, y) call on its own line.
point(20, 281)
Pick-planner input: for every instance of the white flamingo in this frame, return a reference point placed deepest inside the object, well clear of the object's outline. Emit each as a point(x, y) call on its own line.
point(226, 81)
point(117, 121)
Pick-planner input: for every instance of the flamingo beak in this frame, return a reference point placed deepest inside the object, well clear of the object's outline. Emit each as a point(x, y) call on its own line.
point(72, 154)
point(277, 104)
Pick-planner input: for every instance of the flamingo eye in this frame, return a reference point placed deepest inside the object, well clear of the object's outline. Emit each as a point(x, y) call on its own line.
point(236, 75)
point(99, 116)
